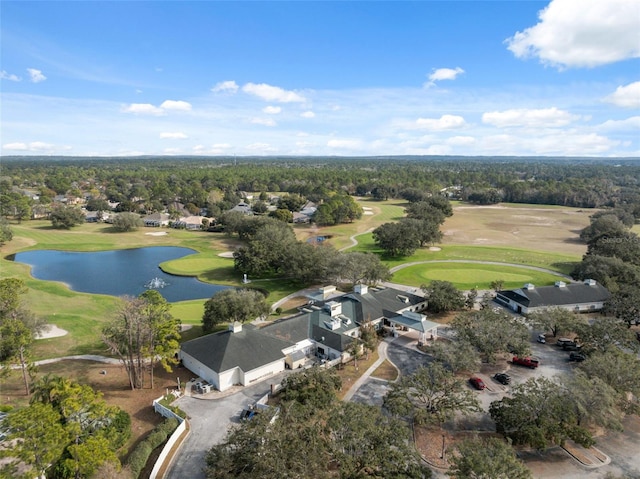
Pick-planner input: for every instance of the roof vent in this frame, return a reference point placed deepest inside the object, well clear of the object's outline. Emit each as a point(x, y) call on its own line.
point(560, 284)
point(361, 289)
point(235, 327)
point(404, 299)
point(590, 282)
point(529, 286)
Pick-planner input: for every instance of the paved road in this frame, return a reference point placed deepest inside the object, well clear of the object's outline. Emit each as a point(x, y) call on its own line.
point(209, 420)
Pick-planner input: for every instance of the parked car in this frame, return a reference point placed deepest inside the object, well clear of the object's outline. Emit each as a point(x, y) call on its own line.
point(577, 357)
point(541, 338)
point(562, 341)
point(502, 378)
point(528, 362)
point(477, 383)
point(572, 346)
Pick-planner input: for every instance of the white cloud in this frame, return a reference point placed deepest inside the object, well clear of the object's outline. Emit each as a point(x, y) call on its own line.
point(36, 146)
point(272, 110)
point(178, 135)
point(345, 144)
point(149, 109)
point(272, 93)
point(176, 105)
point(581, 33)
point(445, 122)
point(627, 96)
point(36, 76)
point(261, 148)
point(545, 117)
point(263, 121)
point(143, 109)
point(461, 140)
point(172, 151)
point(15, 146)
point(439, 74)
point(629, 124)
point(307, 114)
point(9, 76)
point(228, 86)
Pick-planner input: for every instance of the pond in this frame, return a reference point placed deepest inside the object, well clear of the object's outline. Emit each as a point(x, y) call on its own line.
point(118, 272)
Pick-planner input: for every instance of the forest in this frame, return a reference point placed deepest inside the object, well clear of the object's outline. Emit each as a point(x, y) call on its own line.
point(148, 184)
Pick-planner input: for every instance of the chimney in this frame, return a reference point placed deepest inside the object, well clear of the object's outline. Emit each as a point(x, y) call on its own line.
point(529, 286)
point(361, 289)
point(235, 327)
point(560, 284)
point(590, 282)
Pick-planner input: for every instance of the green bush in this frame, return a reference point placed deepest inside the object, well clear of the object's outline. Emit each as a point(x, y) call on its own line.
point(140, 455)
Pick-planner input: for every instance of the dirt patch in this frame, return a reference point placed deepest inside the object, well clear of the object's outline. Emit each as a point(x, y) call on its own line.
point(112, 381)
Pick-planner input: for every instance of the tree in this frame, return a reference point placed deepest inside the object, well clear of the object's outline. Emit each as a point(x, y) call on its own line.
point(143, 332)
point(538, 413)
point(430, 395)
point(397, 239)
point(66, 217)
point(315, 435)
point(595, 403)
point(604, 333)
point(39, 436)
point(621, 371)
point(368, 336)
point(283, 215)
point(127, 221)
point(624, 304)
point(231, 305)
point(491, 333)
point(556, 320)
point(164, 332)
point(442, 296)
point(315, 387)
point(488, 458)
point(18, 328)
point(497, 284)
point(605, 226)
point(97, 204)
point(86, 457)
point(6, 233)
point(357, 267)
point(457, 356)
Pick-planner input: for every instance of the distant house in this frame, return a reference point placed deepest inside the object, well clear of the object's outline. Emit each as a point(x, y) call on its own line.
point(189, 222)
point(582, 297)
point(325, 329)
point(243, 208)
point(156, 220)
point(306, 213)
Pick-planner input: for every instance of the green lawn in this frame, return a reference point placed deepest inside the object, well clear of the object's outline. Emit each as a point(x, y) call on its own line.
point(466, 276)
point(83, 315)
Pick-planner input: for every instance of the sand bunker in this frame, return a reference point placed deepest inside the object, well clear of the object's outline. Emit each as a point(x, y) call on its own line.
point(434, 248)
point(157, 233)
point(226, 254)
point(51, 331)
point(368, 213)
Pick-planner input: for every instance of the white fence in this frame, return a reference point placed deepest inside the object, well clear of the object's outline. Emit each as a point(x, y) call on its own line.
point(166, 412)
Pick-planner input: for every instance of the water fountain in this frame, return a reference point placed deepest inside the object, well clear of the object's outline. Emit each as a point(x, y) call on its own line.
point(156, 283)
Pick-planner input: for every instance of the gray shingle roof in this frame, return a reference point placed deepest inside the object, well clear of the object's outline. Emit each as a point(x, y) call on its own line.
point(246, 349)
point(573, 293)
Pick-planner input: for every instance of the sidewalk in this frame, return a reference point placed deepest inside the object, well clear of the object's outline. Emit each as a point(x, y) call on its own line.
point(382, 355)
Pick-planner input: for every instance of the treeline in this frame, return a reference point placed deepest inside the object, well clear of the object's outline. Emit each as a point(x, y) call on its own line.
point(154, 184)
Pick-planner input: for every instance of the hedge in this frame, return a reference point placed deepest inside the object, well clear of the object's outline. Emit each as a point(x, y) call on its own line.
point(140, 455)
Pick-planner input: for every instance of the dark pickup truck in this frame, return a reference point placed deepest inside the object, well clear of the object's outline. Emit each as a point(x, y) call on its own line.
point(528, 362)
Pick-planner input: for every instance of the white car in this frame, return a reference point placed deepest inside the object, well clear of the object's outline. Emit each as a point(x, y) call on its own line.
point(541, 338)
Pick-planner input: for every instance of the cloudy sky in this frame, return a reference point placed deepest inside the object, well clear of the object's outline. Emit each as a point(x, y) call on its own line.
point(558, 78)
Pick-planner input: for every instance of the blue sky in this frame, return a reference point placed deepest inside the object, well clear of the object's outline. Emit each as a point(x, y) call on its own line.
point(549, 78)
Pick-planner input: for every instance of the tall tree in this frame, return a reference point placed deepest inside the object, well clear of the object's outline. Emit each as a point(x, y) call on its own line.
point(142, 333)
point(538, 413)
point(555, 320)
point(442, 296)
point(66, 217)
point(231, 305)
point(37, 435)
point(431, 395)
point(488, 458)
point(164, 334)
point(491, 333)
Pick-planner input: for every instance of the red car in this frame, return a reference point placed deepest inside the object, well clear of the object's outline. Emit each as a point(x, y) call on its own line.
point(477, 383)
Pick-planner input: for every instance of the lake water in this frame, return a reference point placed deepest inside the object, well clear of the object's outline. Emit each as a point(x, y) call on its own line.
point(118, 272)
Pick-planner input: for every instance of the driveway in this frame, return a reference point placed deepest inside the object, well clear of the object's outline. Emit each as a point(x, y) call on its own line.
point(209, 420)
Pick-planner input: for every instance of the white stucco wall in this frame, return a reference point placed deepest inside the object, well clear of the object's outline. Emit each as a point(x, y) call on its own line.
point(199, 369)
point(262, 372)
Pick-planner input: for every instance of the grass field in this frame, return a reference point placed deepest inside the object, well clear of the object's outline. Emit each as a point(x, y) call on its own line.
point(521, 234)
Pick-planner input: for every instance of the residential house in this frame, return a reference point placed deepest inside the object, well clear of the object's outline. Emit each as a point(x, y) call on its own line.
point(324, 328)
point(243, 208)
point(587, 296)
point(156, 219)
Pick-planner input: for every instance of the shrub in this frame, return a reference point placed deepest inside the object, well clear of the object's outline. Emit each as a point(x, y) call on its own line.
point(140, 455)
